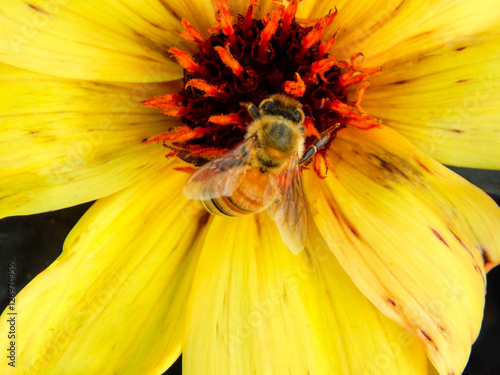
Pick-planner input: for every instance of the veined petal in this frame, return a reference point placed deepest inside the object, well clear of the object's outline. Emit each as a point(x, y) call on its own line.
point(114, 302)
point(445, 102)
point(101, 40)
point(256, 308)
point(402, 29)
point(66, 142)
point(413, 236)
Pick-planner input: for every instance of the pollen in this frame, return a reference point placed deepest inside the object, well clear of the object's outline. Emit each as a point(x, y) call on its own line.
point(248, 58)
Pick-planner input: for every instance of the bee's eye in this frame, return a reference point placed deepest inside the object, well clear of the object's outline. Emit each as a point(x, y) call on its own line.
point(272, 107)
point(295, 114)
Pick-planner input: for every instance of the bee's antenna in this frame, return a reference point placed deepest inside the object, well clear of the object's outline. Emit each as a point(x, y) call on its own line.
point(252, 109)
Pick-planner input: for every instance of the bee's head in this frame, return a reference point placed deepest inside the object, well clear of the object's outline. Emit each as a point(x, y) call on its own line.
point(284, 106)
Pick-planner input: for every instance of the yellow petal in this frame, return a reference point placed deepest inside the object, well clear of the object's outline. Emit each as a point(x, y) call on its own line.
point(412, 235)
point(97, 40)
point(66, 142)
point(445, 102)
point(114, 302)
point(385, 31)
point(256, 308)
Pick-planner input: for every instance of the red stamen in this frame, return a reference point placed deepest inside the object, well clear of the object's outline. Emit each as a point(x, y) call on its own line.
point(288, 17)
point(326, 45)
point(168, 104)
point(229, 119)
point(217, 91)
point(325, 21)
point(246, 60)
point(195, 36)
point(352, 78)
point(295, 88)
point(268, 33)
point(187, 62)
point(359, 95)
point(356, 56)
point(249, 14)
point(360, 121)
point(310, 40)
point(180, 134)
point(226, 21)
point(230, 61)
point(310, 129)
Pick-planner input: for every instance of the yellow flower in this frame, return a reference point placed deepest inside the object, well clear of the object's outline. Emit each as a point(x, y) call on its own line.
point(393, 271)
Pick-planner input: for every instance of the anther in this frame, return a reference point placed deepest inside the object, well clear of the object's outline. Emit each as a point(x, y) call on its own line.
point(217, 91)
point(296, 88)
point(230, 61)
point(187, 62)
point(194, 36)
point(267, 33)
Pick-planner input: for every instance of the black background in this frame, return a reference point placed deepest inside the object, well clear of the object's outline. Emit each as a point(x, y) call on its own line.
point(33, 242)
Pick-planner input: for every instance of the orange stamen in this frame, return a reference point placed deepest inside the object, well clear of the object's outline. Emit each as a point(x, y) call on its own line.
point(249, 14)
point(179, 134)
point(267, 33)
point(194, 36)
point(187, 61)
point(325, 21)
point(232, 118)
point(226, 21)
point(311, 39)
point(217, 91)
point(228, 59)
point(168, 104)
point(310, 129)
point(359, 95)
point(326, 45)
point(288, 17)
point(295, 88)
point(360, 121)
point(352, 78)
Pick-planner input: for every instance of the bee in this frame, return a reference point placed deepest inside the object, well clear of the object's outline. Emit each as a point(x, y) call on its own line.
point(263, 172)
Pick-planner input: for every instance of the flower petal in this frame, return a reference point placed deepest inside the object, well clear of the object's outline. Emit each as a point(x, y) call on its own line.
point(445, 102)
point(101, 40)
point(385, 31)
point(114, 302)
point(66, 142)
point(256, 308)
point(413, 236)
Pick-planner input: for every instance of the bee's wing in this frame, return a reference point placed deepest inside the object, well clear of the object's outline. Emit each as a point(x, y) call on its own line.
point(289, 210)
point(220, 176)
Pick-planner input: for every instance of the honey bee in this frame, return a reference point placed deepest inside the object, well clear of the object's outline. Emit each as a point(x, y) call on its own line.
point(263, 172)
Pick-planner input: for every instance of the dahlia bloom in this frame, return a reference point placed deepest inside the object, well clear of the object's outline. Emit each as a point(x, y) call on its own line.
point(392, 278)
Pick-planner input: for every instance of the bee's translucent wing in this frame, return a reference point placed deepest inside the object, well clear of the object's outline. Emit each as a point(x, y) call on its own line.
point(289, 209)
point(220, 176)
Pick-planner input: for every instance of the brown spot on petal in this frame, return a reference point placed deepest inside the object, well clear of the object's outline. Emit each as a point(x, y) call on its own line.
point(462, 80)
point(428, 338)
point(34, 7)
point(460, 48)
point(391, 301)
point(438, 235)
point(488, 263)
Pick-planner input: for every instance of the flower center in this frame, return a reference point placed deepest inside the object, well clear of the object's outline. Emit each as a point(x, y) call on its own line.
point(248, 60)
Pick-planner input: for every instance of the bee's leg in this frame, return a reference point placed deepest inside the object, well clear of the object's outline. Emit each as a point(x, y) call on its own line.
point(323, 138)
point(252, 109)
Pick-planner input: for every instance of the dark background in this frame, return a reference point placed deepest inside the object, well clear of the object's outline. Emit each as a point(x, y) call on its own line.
point(33, 242)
